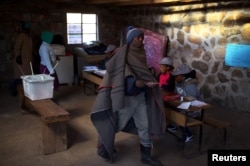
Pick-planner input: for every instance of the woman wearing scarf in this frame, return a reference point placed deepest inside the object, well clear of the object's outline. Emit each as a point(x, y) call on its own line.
point(129, 100)
point(48, 57)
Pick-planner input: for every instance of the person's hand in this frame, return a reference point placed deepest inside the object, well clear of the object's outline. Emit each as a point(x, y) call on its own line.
point(140, 83)
point(152, 84)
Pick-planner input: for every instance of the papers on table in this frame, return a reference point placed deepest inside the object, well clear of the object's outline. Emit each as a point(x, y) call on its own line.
point(94, 69)
point(90, 68)
point(186, 105)
point(100, 72)
point(198, 103)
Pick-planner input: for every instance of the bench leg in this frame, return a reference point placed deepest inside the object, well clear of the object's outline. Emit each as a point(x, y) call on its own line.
point(54, 137)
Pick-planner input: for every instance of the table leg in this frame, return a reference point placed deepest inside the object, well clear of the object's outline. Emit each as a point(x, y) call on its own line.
point(201, 131)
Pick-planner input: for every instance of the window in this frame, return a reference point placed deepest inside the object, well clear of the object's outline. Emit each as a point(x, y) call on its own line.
point(81, 28)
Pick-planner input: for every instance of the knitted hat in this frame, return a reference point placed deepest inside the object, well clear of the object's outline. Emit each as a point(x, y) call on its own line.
point(166, 61)
point(132, 34)
point(47, 36)
point(110, 48)
point(181, 69)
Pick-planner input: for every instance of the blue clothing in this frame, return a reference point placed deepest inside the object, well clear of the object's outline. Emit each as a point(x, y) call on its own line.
point(188, 88)
point(130, 88)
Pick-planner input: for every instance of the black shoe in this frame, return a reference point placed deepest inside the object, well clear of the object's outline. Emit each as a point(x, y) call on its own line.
point(146, 157)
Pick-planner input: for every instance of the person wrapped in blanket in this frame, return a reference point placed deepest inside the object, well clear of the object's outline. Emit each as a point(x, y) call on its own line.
point(129, 100)
point(186, 86)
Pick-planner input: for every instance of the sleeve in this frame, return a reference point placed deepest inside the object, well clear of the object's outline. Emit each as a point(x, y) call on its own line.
point(130, 88)
point(52, 55)
point(45, 53)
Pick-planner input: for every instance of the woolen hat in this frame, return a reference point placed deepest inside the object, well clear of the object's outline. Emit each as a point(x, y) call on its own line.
point(132, 34)
point(110, 48)
point(181, 69)
point(47, 36)
point(166, 61)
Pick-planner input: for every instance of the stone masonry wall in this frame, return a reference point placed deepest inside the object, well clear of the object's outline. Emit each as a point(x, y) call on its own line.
point(198, 37)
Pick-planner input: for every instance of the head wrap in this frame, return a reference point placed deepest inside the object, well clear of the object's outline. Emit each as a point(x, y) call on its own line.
point(47, 36)
point(132, 33)
point(25, 25)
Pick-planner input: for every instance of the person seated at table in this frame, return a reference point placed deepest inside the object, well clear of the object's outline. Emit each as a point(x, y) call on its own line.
point(186, 86)
point(167, 82)
point(166, 79)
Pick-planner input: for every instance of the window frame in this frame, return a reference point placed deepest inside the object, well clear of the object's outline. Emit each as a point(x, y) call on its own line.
point(79, 30)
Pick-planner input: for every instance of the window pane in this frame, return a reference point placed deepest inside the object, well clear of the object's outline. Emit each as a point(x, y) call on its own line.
point(89, 18)
point(74, 28)
point(73, 17)
point(89, 28)
point(81, 28)
point(89, 37)
point(74, 39)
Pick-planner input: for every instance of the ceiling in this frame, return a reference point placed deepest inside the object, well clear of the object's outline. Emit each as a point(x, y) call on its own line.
point(152, 2)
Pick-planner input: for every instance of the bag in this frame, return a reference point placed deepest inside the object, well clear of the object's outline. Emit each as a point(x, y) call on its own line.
point(19, 60)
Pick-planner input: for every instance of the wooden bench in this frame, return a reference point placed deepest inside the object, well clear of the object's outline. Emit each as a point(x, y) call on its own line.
point(218, 124)
point(54, 118)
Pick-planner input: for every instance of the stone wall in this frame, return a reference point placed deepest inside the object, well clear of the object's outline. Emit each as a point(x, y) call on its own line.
point(198, 37)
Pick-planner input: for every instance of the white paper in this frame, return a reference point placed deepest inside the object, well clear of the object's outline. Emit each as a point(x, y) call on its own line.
point(90, 68)
point(198, 103)
point(184, 105)
point(100, 72)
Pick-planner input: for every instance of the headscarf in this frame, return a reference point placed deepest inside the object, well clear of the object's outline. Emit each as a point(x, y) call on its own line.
point(47, 36)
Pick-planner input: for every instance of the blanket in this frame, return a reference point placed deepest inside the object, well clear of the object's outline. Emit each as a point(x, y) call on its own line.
point(127, 61)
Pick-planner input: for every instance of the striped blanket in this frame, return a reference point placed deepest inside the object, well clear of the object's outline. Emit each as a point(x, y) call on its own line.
point(127, 61)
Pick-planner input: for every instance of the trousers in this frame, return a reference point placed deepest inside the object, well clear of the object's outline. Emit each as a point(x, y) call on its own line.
point(136, 108)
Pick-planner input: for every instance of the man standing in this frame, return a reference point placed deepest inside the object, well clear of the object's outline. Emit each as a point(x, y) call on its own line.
point(22, 56)
point(129, 100)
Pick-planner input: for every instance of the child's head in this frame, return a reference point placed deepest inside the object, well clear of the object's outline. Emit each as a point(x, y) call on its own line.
point(166, 64)
point(182, 72)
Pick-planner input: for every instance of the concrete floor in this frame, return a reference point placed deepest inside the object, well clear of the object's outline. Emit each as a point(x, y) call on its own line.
point(21, 144)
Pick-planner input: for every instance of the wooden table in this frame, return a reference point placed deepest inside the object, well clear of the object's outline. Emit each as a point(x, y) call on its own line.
point(90, 76)
point(182, 119)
